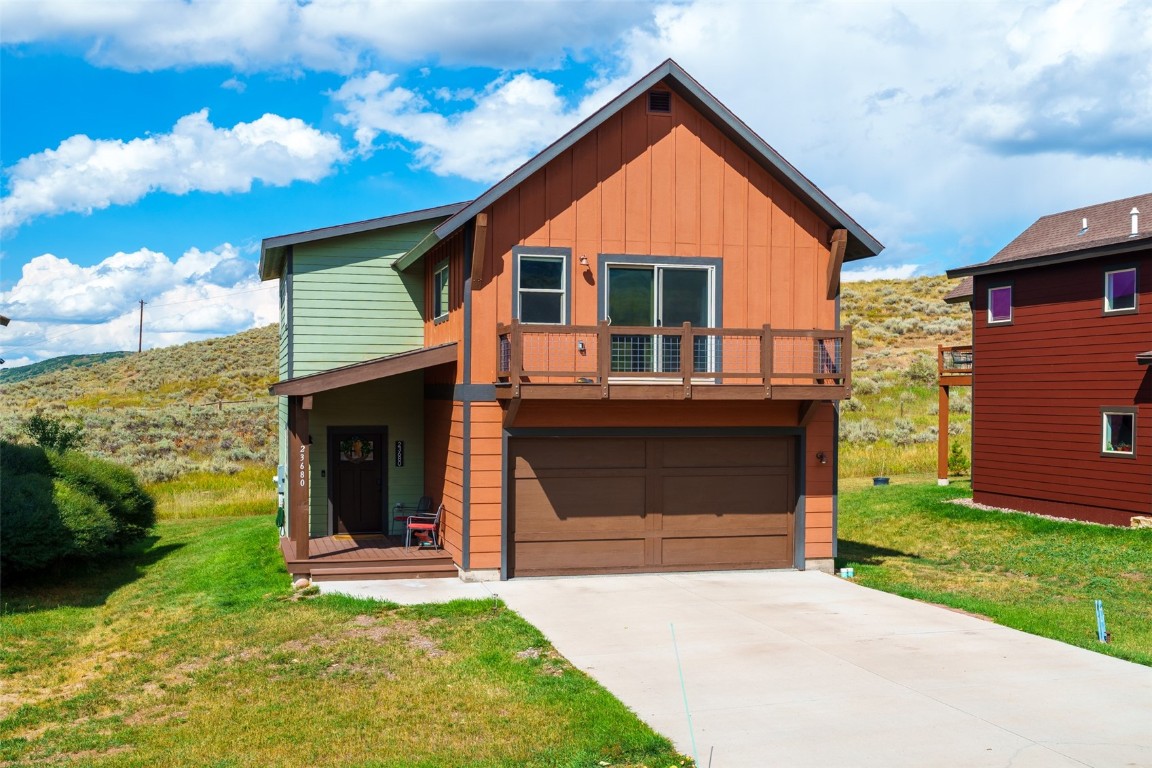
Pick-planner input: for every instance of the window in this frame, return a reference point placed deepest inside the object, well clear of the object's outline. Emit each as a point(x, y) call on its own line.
point(1119, 431)
point(1000, 304)
point(541, 289)
point(1120, 290)
point(440, 291)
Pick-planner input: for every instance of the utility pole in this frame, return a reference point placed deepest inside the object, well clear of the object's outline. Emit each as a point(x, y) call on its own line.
point(140, 343)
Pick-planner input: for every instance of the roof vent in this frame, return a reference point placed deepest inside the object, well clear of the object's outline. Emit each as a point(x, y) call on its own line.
point(660, 102)
point(1083, 227)
point(1135, 214)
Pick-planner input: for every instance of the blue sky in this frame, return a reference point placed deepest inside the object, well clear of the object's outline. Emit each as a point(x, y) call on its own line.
point(147, 146)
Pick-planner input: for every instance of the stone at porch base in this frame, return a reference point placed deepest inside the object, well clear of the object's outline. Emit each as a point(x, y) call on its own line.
point(479, 574)
point(822, 564)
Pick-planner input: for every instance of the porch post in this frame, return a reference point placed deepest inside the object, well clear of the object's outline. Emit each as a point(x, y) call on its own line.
point(942, 440)
point(299, 482)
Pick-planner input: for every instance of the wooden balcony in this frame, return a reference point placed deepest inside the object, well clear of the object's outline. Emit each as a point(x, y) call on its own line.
point(603, 361)
point(954, 365)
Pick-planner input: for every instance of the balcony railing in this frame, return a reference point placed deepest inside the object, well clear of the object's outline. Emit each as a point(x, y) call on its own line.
point(592, 360)
point(954, 363)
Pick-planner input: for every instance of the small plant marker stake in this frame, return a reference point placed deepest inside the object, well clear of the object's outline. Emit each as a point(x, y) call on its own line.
point(684, 693)
point(1101, 630)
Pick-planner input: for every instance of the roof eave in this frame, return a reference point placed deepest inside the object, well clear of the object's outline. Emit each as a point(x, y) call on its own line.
point(1111, 249)
point(273, 249)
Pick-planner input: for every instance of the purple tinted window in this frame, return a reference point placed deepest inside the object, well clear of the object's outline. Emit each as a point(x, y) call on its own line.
point(1120, 290)
point(1000, 304)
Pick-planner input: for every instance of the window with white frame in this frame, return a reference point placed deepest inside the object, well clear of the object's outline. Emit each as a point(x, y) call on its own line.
point(440, 292)
point(1000, 304)
point(541, 290)
point(1118, 431)
point(1120, 290)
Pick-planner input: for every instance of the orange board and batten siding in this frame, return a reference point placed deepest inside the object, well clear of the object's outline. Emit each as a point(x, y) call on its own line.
point(648, 185)
point(1040, 383)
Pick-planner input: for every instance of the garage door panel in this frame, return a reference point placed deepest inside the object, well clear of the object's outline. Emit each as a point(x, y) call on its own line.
point(746, 551)
point(728, 524)
point(592, 453)
point(728, 452)
point(589, 556)
point(762, 494)
point(597, 503)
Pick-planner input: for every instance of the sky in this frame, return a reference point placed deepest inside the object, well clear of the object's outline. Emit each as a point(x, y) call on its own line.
point(148, 146)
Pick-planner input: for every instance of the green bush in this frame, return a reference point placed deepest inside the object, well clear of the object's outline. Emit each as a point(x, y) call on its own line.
point(57, 506)
point(51, 433)
point(958, 463)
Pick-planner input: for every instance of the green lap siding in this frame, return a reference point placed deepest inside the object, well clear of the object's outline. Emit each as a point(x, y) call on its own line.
point(348, 304)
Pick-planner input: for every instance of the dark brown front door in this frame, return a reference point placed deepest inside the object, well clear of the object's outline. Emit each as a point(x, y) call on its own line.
point(359, 479)
point(635, 504)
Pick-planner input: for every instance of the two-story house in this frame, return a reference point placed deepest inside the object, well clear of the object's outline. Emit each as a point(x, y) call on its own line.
point(624, 357)
point(1061, 384)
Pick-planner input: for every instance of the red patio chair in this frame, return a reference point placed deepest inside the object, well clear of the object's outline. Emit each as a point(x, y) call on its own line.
point(424, 526)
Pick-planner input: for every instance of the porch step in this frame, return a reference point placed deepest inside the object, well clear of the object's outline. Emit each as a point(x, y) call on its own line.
point(407, 570)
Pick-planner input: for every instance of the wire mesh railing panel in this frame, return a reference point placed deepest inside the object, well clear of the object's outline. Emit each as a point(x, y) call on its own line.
point(504, 353)
point(958, 359)
point(807, 356)
point(633, 354)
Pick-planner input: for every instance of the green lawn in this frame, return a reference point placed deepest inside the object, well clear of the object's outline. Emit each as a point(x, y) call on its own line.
point(192, 653)
point(1034, 574)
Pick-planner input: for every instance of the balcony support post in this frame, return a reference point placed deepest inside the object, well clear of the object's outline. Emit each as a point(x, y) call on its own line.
point(942, 435)
point(766, 359)
point(603, 356)
point(686, 361)
point(516, 359)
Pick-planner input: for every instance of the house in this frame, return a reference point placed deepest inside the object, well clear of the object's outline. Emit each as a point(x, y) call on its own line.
point(624, 357)
point(1062, 386)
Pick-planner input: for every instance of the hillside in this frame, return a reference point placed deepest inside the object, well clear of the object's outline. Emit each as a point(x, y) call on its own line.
point(165, 412)
point(889, 425)
point(205, 405)
point(24, 372)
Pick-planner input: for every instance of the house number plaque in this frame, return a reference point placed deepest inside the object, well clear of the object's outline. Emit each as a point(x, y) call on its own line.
point(399, 453)
point(303, 466)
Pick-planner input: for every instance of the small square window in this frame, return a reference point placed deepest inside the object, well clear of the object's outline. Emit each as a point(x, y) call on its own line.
point(1120, 290)
point(1000, 304)
point(440, 291)
point(1119, 431)
point(542, 289)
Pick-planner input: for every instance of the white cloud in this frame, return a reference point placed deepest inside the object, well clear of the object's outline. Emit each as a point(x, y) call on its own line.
point(58, 307)
point(507, 123)
point(234, 84)
point(331, 35)
point(898, 272)
point(83, 174)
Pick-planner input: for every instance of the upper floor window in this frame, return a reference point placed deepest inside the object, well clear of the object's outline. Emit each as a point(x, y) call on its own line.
point(542, 288)
point(440, 291)
point(1000, 304)
point(1120, 290)
point(1119, 431)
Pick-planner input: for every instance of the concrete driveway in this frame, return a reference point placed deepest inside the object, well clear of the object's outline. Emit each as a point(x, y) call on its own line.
point(789, 668)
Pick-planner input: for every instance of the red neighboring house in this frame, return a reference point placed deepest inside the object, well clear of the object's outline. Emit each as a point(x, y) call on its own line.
point(1062, 381)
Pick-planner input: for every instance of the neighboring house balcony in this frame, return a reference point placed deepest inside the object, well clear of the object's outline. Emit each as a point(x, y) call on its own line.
point(954, 365)
point(604, 361)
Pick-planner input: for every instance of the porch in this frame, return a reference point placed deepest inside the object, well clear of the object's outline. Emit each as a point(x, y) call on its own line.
point(954, 368)
point(333, 558)
point(604, 361)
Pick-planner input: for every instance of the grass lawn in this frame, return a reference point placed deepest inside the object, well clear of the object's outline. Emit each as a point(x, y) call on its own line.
point(190, 652)
point(1030, 573)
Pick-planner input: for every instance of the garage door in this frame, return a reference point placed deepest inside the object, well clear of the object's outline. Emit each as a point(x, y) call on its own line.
point(635, 504)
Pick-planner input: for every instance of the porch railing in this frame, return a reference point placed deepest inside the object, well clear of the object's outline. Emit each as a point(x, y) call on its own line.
point(602, 353)
point(957, 360)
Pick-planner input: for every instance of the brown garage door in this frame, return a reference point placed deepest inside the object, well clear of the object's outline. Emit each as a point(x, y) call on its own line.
point(632, 504)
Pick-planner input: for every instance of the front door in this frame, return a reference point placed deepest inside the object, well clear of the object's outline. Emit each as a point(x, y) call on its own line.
point(359, 479)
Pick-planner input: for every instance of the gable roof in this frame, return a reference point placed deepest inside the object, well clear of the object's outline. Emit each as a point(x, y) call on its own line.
point(1061, 237)
point(274, 249)
point(860, 243)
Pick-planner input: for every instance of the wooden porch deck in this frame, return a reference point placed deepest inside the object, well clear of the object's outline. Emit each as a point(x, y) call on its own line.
point(335, 558)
